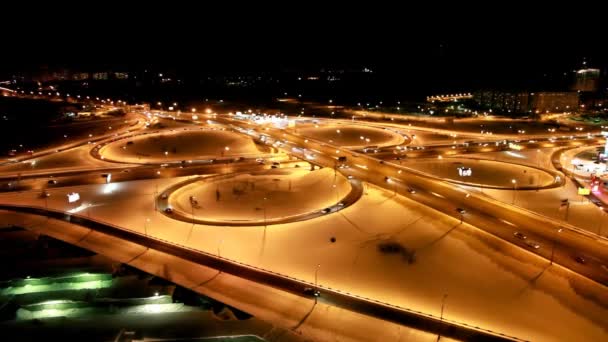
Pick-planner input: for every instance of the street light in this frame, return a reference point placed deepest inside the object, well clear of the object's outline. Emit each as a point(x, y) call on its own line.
point(146, 226)
point(441, 314)
point(316, 282)
point(601, 223)
point(514, 190)
point(264, 209)
point(554, 243)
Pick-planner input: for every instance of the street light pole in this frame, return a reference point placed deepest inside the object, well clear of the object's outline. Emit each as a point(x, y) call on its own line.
point(218, 248)
point(601, 224)
point(554, 243)
point(441, 314)
point(514, 190)
point(156, 195)
point(316, 281)
point(264, 208)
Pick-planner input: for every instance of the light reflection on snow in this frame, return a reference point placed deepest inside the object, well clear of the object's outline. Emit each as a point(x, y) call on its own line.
point(516, 155)
point(79, 208)
point(109, 188)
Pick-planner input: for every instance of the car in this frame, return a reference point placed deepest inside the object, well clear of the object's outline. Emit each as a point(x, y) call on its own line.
point(580, 259)
point(273, 166)
point(340, 204)
point(350, 177)
point(44, 194)
point(276, 163)
point(533, 244)
point(461, 211)
point(126, 171)
point(520, 236)
point(164, 196)
point(52, 181)
point(169, 210)
point(411, 191)
point(326, 211)
point(309, 291)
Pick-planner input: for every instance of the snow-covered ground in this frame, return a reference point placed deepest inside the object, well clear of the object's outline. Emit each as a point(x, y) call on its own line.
point(179, 145)
point(484, 172)
point(581, 161)
point(352, 135)
point(581, 213)
point(73, 159)
point(488, 282)
point(269, 195)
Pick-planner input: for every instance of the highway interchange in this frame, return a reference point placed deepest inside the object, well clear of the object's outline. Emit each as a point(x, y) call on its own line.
point(559, 242)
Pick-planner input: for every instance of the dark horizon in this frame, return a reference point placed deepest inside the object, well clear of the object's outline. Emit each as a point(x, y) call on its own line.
point(447, 51)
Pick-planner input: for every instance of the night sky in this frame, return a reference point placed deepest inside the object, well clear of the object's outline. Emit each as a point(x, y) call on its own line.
point(416, 47)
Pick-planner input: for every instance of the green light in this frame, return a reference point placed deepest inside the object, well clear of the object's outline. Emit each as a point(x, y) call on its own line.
point(29, 288)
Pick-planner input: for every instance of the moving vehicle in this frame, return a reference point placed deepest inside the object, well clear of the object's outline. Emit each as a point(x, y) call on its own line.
point(519, 235)
point(533, 244)
point(309, 291)
point(580, 259)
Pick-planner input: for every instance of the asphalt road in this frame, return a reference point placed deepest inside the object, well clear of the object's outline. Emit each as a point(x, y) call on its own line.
point(40, 182)
point(490, 215)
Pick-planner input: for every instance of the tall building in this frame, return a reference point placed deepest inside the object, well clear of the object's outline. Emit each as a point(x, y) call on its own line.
point(557, 101)
point(501, 101)
point(524, 102)
point(587, 80)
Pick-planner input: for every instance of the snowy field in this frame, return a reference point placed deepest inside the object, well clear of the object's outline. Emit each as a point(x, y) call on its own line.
point(388, 248)
point(484, 172)
point(352, 135)
point(179, 145)
point(267, 195)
